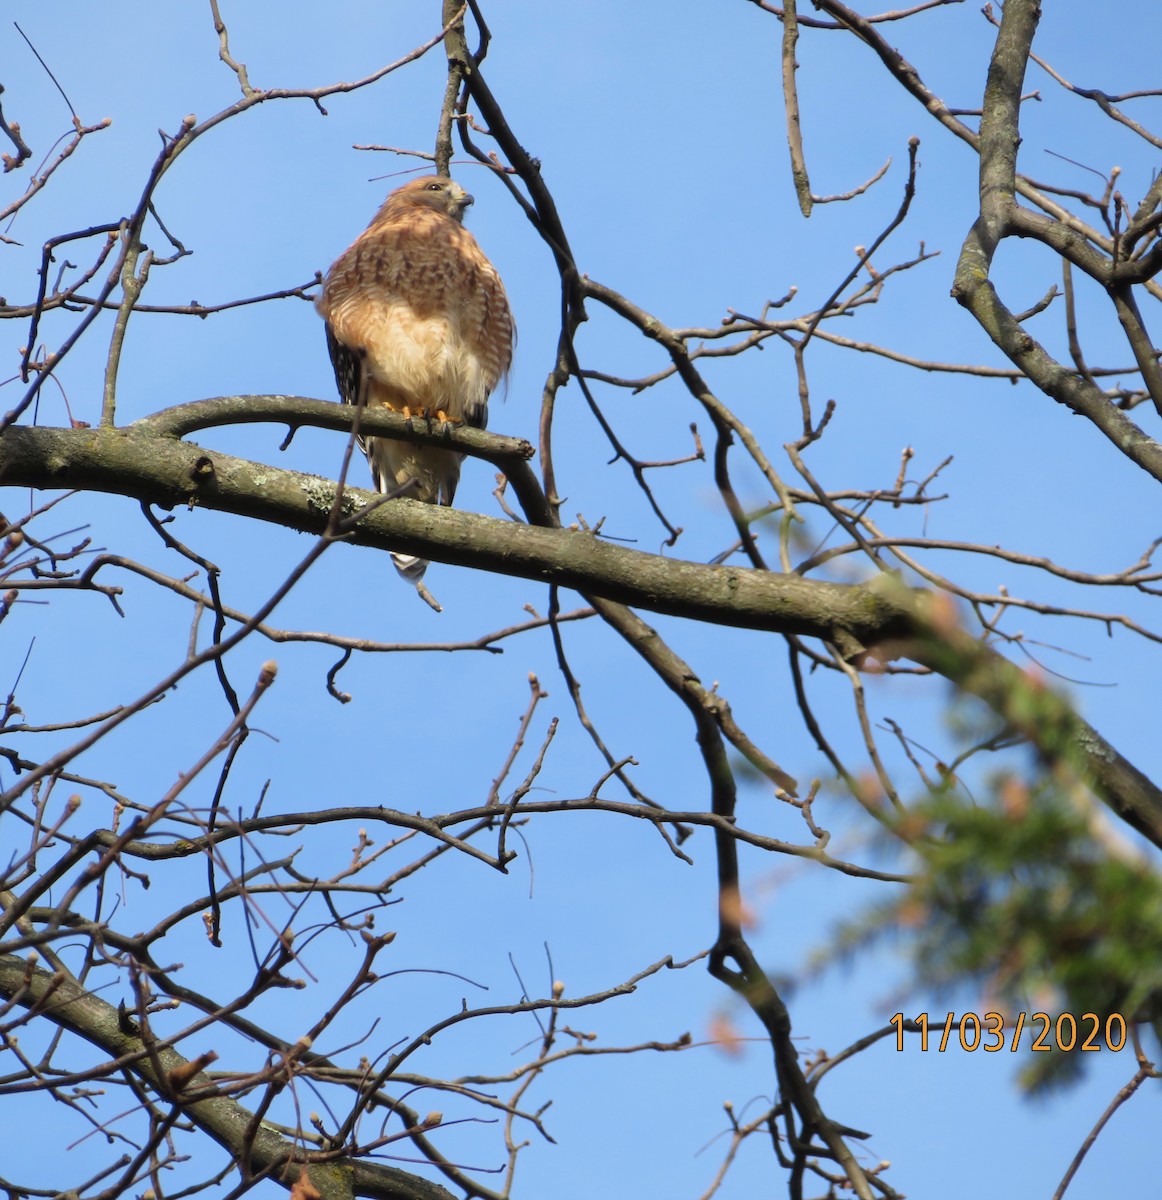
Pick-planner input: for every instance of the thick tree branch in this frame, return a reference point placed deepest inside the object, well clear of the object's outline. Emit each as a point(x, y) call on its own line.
point(232, 1126)
point(167, 472)
point(882, 616)
point(999, 218)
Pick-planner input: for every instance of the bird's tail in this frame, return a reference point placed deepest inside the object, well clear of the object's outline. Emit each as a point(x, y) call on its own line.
point(410, 567)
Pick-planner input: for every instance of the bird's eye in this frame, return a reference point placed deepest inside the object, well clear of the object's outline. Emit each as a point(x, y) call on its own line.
point(435, 187)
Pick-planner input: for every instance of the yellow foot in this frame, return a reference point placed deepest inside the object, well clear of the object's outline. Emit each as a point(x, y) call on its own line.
point(425, 414)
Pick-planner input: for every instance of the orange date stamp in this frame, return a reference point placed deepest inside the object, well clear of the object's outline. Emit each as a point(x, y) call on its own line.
point(993, 1031)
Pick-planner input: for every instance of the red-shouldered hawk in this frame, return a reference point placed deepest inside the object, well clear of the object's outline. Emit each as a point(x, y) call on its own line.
point(418, 316)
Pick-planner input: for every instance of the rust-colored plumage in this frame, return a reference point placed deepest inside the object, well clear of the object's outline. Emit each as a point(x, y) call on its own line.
point(418, 317)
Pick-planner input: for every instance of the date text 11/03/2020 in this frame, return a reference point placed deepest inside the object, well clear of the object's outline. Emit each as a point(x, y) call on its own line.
point(994, 1031)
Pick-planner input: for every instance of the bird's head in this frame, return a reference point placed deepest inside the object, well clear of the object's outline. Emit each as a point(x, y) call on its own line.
point(432, 191)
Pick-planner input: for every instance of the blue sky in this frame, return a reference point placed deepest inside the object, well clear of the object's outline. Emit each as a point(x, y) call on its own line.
point(660, 131)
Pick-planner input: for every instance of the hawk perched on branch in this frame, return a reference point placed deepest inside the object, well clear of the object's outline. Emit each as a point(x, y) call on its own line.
point(418, 322)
